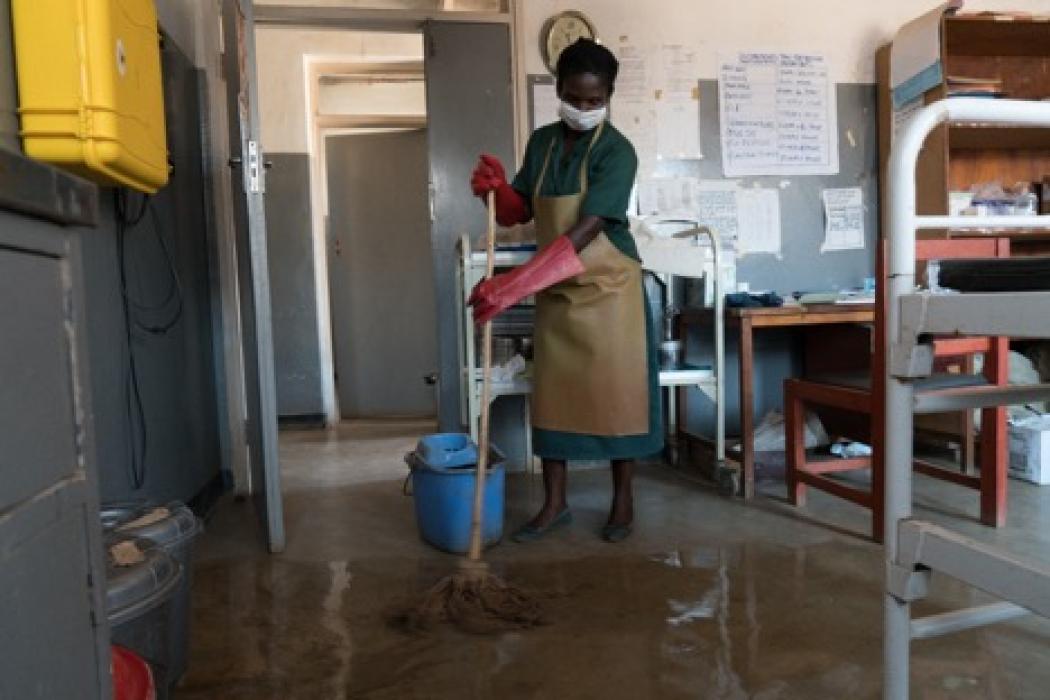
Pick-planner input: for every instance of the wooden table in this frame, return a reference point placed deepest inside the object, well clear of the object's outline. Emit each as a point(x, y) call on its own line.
point(746, 321)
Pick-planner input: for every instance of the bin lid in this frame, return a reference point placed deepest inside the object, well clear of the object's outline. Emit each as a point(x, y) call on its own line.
point(135, 589)
point(164, 525)
point(119, 512)
point(415, 460)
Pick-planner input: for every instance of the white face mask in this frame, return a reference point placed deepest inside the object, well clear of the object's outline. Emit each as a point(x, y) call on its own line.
point(580, 120)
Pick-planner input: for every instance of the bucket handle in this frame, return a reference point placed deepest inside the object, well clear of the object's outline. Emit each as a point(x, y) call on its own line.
point(405, 489)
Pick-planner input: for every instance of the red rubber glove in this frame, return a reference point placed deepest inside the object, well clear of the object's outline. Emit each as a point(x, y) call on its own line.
point(555, 263)
point(489, 175)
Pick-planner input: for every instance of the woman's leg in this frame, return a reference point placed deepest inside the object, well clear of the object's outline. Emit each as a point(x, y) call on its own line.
point(554, 492)
point(622, 511)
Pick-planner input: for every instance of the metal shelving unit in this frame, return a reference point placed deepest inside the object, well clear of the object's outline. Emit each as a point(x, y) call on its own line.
point(915, 548)
point(471, 269)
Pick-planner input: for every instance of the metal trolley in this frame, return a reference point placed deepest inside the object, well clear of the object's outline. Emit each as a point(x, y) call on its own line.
point(471, 269)
point(915, 548)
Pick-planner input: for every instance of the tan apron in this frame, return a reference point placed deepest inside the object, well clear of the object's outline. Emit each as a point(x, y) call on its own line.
point(591, 371)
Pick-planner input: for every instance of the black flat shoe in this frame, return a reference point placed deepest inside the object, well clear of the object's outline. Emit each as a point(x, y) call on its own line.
point(531, 533)
point(616, 533)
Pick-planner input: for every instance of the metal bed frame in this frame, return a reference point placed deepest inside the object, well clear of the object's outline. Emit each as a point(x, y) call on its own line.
point(915, 548)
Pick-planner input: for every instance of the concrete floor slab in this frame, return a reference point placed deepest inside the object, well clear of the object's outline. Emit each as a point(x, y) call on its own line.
point(710, 598)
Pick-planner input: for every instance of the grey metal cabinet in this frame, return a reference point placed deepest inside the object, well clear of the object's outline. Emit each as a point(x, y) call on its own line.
point(54, 641)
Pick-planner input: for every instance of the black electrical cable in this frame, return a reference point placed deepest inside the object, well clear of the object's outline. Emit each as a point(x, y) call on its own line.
point(174, 289)
point(134, 410)
point(135, 413)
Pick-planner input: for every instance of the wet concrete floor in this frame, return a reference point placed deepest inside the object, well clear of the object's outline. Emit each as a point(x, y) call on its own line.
point(711, 598)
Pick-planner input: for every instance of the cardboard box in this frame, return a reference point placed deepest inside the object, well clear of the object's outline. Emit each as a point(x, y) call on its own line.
point(1030, 449)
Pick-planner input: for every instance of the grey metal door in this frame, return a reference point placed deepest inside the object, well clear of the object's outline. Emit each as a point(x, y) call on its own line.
point(381, 278)
point(469, 111)
point(246, 168)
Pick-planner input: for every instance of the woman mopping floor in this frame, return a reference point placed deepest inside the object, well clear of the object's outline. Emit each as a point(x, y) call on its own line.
point(595, 389)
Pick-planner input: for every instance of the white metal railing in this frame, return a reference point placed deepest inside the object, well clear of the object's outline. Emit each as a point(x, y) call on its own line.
point(906, 570)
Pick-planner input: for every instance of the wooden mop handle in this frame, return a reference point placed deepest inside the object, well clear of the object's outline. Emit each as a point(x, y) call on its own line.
point(474, 554)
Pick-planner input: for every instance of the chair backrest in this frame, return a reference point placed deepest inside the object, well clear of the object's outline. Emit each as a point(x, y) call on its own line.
point(954, 248)
point(942, 249)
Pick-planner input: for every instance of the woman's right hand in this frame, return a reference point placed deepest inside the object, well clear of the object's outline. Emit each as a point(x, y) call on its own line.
point(488, 175)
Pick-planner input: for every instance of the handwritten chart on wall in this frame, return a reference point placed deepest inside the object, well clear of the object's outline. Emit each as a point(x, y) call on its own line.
point(778, 115)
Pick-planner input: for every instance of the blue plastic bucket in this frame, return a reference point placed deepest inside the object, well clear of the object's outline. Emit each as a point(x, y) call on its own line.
point(444, 497)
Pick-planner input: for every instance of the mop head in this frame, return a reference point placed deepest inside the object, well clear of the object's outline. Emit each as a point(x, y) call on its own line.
point(475, 601)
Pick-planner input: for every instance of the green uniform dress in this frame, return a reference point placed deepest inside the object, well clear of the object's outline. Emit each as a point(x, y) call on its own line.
point(611, 168)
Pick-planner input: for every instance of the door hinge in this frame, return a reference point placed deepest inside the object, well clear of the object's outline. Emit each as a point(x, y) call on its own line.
point(222, 38)
point(254, 169)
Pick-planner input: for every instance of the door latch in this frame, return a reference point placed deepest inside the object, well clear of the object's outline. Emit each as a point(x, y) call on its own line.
point(254, 174)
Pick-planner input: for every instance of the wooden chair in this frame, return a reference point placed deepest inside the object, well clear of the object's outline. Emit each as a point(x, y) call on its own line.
point(864, 393)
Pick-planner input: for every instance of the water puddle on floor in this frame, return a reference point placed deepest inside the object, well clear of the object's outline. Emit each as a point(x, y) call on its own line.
point(754, 621)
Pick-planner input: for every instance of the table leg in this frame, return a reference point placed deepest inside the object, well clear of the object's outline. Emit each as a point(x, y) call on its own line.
point(680, 394)
point(747, 410)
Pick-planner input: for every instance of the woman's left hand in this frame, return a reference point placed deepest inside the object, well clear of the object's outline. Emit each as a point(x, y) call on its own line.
point(555, 263)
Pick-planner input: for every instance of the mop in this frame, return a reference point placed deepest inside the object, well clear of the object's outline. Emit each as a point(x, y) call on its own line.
point(473, 598)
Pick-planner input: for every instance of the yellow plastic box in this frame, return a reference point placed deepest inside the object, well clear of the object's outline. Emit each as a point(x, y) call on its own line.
point(89, 84)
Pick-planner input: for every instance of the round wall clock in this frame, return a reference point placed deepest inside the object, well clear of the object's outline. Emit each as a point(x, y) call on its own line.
point(562, 30)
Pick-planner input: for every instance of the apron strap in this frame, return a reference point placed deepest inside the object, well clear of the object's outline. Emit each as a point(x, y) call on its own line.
point(583, 165)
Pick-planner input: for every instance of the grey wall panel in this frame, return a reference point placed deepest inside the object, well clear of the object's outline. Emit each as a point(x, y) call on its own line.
point(802, 267)
point(176, 368)
point(297, 356)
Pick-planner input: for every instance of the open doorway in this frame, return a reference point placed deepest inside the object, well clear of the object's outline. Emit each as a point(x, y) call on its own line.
point(371, 119)
point(364, 79)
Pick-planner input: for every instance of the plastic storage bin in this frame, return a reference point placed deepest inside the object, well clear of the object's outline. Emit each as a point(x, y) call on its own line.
point(175, 534)
point(89, 88)
point(138, 606)
point(444, 497)
point(132, 677)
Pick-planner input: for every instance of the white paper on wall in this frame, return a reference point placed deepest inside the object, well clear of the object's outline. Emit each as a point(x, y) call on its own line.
point(668, 197)
point(718, 209)
point(778, 114)
point(632, 80)
point(843, 219)
point(678, 103)
point(758, 230)
point(544, 104)
point(678, 129)
point(634, 107)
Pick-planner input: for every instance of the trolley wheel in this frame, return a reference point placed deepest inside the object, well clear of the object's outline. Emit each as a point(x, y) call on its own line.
point(727, 480)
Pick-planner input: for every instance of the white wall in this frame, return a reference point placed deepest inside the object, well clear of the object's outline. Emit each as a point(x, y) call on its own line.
point(376, 97)
point(847, 31)
point(281, 58)
point(485, 5)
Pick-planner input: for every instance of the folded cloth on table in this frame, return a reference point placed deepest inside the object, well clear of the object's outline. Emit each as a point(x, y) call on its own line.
point(743, 300)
